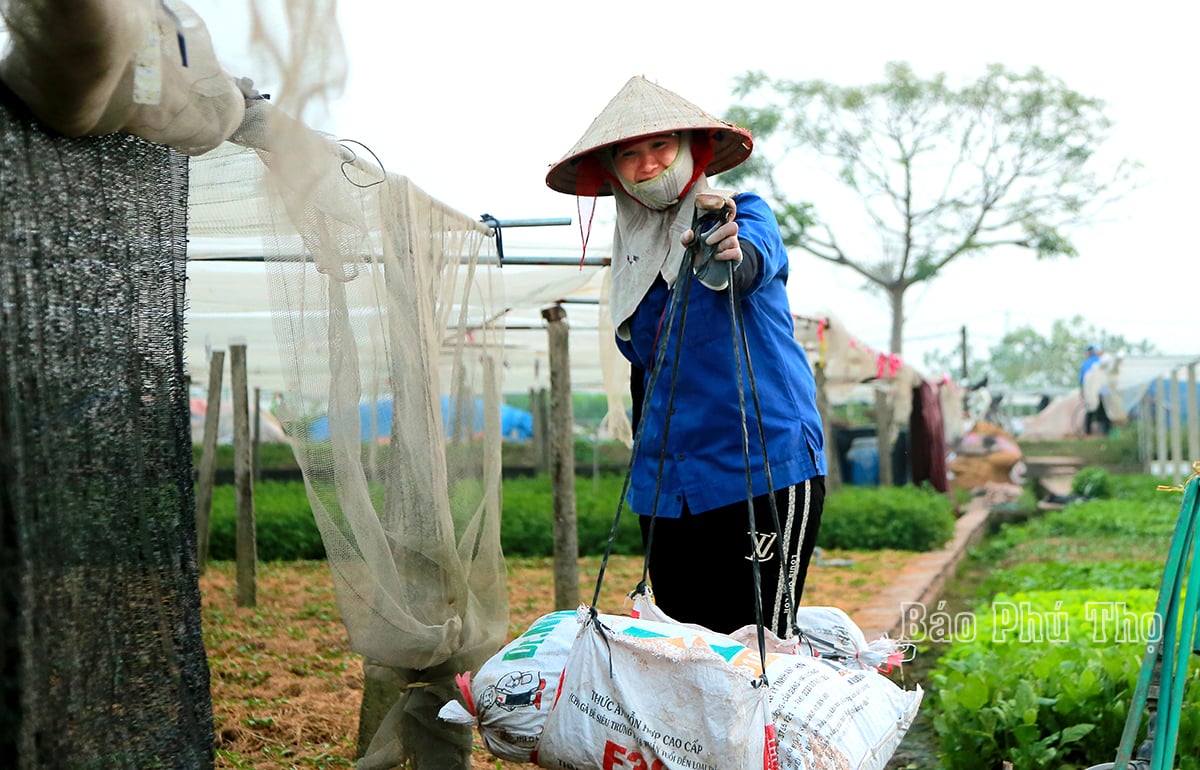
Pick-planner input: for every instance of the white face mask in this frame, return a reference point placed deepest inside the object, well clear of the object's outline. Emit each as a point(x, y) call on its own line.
point(664, 190)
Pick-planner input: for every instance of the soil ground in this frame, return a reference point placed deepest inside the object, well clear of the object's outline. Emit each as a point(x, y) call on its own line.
point(287, 688)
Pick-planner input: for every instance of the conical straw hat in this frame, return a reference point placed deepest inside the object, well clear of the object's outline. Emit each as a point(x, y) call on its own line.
point(640, 109)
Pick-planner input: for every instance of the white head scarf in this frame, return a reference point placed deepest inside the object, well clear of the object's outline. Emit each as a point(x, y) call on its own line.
point(651, 218)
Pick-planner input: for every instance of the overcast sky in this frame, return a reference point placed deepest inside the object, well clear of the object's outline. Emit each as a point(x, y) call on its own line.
point(474, 100)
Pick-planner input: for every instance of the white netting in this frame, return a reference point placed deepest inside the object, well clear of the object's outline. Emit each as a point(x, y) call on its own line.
point(389, 331)
point(382, 315)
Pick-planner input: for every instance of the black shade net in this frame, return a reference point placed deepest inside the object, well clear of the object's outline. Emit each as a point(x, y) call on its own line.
point(102, 663)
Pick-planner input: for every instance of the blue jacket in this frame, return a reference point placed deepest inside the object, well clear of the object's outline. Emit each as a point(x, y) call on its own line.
point(704, 463)
point(1088, 363)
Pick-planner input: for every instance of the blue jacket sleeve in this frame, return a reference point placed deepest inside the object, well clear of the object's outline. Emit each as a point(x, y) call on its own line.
point(758, 227)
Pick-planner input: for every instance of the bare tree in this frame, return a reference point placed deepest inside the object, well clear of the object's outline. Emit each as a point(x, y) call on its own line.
point(1008, 160)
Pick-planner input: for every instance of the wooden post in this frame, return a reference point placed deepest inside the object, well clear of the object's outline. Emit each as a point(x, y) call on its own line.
point(1177, 463)
point(541, 430)
point(492, 440)
point(1193, 411)
point(1146, 432)
point(833, 468)
point(208, 457)
point(562, 463)
point(243, 479)
point(883, 435)
point(1160, 428)
point(547, 427)
point(963, 351)
point(534, 437)
point(254, 462)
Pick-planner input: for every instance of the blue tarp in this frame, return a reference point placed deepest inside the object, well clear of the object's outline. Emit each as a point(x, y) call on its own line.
point(1180, 401)
point(515, 424)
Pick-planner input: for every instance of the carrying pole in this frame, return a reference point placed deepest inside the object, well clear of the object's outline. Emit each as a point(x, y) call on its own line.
point(1163, 674)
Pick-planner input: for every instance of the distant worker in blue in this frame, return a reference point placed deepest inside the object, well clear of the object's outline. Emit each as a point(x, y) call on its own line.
point(1093, 394)
point(652, 150)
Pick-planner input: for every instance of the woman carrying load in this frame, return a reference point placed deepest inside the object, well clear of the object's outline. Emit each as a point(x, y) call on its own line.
point(653, 151)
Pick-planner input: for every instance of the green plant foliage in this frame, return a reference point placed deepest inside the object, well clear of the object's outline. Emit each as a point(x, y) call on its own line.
point(1131, 520)
point(284, 525)
point(1092, 482)
point(1134, 519)
point(1144, 487)
point(1124, 574)
point(270, 455)
point(1043, 672)
point(870, 518)
point(528, 519)
point(285, 528)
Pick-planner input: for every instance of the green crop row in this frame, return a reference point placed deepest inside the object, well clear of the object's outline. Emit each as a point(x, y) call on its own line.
point(1041, 672)
point(855, 518)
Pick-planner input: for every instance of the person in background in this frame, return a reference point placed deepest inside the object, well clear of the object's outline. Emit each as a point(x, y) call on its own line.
point(1094, 411)
point(653, 150)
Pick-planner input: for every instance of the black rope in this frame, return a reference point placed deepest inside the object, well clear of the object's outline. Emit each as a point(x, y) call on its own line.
point(659, 356)
point(735, 319)
point(789, 610)
point(701, 226)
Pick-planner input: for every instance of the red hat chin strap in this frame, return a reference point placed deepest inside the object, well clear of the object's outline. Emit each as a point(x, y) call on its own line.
point(590, 176)
point(585, 231)
point(702, 155)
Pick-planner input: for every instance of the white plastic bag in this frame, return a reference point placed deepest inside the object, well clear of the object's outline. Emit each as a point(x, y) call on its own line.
point(828, 632)
point(510, 699)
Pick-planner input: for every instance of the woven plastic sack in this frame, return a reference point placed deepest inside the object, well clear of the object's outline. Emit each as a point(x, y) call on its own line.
point(510, 696)
point(825, 632)
point(827, 715)
point(830, 706)
point(640, 693)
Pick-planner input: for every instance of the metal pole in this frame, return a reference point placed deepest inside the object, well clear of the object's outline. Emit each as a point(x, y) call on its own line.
point(1160, 427)
point(491, 221)
point(483, 259)
point(1176, 430)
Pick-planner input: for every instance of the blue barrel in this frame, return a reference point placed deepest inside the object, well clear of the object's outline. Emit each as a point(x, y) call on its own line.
point(864, 461)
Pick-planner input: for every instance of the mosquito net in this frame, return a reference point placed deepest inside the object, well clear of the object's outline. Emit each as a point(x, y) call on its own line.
point(389, 329)
point(389, 332)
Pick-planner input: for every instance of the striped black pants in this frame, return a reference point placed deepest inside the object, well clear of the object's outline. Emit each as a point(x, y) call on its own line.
point(701, 565)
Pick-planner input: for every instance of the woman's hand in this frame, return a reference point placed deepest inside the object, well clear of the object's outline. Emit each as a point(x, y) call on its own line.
point(722, 240)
